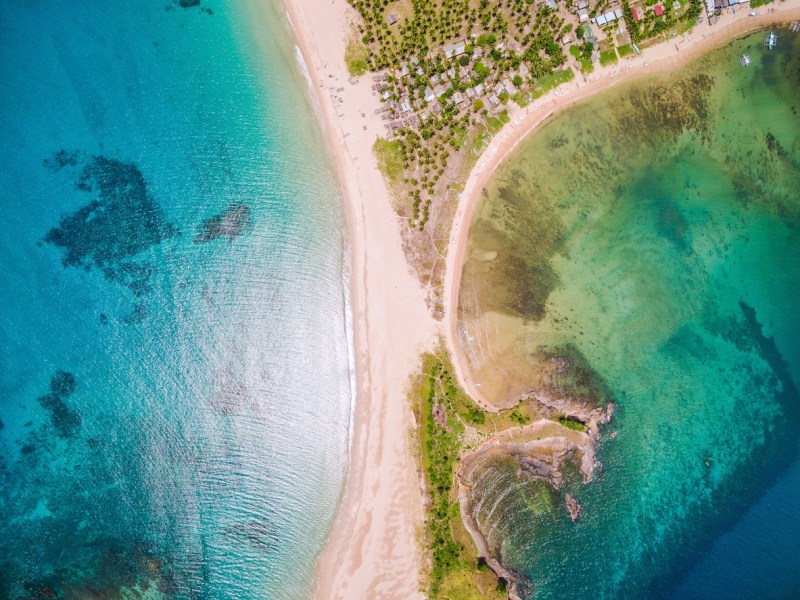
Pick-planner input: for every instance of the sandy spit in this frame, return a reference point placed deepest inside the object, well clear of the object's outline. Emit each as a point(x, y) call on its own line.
point(372, 550)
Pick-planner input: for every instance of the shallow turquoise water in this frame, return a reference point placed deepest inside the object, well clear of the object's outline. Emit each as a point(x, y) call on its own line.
point(175, 391)
point(673, 211)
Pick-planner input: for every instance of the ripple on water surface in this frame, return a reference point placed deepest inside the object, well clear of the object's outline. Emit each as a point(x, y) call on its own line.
point(175, 391)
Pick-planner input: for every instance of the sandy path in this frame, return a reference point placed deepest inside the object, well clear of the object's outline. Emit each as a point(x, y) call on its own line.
point(664, 57)
point(372, 550)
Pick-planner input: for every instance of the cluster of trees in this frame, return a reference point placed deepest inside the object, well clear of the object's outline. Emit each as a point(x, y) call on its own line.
point(496, 24)
point(649, 25)
point(442, 454)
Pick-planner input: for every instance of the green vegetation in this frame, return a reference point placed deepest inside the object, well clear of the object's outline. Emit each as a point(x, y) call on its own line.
point(649, 25)
point(552, 81)
point(436, 97)
point(356, 57)
point(571, 424)
point(625, 50)
point(441, 408)
point(519, 418)
point(608, 57)
point(390, 158)
point(757, 3)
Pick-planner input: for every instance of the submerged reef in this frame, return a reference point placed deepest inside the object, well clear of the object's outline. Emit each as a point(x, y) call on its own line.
point(229, 224)
point(111, 232)
point(64, 419)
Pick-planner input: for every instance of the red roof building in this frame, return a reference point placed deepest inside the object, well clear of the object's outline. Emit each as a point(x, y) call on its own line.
point(657, 10)
point(635, 15)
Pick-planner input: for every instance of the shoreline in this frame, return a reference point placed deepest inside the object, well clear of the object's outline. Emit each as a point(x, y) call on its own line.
point(372, 548)
point(662, 57)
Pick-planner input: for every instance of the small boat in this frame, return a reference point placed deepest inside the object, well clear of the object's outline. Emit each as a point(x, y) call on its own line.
point(745, 60)
point(795, 27)
point(771, 40)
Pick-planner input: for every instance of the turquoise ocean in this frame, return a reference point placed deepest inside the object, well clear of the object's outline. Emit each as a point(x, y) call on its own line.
point(175, 393)
point(653, 233)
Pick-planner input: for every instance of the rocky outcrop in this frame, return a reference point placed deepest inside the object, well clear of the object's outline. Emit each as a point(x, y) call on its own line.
point(573, 508)
point(540, 451)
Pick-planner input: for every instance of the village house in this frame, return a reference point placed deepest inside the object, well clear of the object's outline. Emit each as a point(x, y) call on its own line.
point(454, 49)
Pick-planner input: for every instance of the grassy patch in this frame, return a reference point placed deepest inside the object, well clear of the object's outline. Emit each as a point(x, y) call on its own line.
point(522, 101)
point(575, 51)
point(586, 66)
point(356, 56)
point(443, 413)
point(390, 158)
point(625, 50)
point(608, 57)
point(494, 124)
point(459, 137)
point(552, 81)
point(571, 424)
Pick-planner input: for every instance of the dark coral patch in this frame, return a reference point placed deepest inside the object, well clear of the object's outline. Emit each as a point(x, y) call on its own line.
point(229, 224)
point(66, 421)
point(63, 383)
point(61, 159)
point(122, 222)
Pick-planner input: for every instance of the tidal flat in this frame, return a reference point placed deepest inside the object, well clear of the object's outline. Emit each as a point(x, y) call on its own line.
point(649, 237)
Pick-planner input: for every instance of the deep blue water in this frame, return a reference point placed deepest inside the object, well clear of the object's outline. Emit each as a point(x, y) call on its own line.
point(175, 390)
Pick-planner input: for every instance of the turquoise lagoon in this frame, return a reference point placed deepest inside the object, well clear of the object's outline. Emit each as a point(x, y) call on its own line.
point(654, 233)
point(175, 394)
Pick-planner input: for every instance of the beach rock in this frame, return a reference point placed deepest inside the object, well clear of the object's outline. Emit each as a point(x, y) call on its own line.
point(573, 508)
